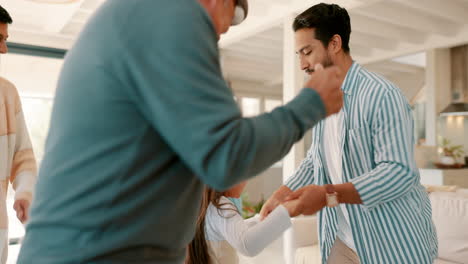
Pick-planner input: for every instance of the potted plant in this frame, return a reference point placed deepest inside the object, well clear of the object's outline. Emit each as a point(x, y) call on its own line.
point(451, 153)
point(249, 208)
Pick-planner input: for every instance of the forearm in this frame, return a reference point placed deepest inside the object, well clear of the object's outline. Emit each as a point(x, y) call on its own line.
point(246, 148)
point(259, 236)
point(386, 182)
point(347, 193)
point(282, 193)
point(24, 168)
point(24, 185)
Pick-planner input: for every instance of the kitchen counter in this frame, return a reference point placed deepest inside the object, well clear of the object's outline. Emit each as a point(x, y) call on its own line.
point(457, 177)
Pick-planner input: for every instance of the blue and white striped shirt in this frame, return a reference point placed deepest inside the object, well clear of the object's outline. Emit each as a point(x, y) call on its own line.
point(394, 223)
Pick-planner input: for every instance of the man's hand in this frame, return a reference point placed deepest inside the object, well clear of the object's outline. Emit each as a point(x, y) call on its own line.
point(276, 199)
point(327, 83)
point(21, 207)
point(307, 200)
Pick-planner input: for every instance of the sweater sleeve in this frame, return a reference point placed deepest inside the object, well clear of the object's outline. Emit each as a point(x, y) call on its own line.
point(24, 170)
point(181, 91)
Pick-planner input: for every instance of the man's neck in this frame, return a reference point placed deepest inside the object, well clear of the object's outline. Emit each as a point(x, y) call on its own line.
point(345, 61)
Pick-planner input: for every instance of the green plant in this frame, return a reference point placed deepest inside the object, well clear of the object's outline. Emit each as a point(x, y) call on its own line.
point(455, 151)
point(249, 208)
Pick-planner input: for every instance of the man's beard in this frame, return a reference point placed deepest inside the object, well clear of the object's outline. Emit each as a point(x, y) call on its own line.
point(327, 62)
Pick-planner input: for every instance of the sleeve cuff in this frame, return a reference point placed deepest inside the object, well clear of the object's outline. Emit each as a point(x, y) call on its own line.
point(28, 196)
point(283, 215)
point(24, 183)
point(366, 188)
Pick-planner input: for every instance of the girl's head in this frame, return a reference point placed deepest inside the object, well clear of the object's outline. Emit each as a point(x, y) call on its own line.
point(236, 190)
point(197, 250)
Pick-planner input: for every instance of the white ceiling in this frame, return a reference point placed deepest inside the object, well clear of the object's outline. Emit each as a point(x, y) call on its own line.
point(381, 30)
point(253, 51)
point(50, 25)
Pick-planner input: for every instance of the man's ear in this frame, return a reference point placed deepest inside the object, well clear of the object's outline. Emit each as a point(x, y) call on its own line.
point(335, 44)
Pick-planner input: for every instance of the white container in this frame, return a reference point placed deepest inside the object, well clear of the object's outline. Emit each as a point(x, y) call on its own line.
point(446, 160)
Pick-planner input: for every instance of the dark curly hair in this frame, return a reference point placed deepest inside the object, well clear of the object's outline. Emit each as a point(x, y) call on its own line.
point(5, 18)
point(328, 20)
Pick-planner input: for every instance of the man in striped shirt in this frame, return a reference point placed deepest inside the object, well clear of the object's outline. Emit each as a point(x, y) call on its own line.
point(359, 174)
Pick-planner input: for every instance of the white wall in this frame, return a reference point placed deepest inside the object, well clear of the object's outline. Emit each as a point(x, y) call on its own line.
point(264, 184)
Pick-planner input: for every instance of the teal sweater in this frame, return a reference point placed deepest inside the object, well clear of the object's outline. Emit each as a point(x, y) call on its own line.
point(142, 120)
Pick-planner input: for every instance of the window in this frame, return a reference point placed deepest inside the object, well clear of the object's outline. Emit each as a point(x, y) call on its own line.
point(253, 106)
point(37, 114)
point(271, 104)
point(250, 106)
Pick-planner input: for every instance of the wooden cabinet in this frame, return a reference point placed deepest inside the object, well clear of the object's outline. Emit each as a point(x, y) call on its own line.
point(459, 73)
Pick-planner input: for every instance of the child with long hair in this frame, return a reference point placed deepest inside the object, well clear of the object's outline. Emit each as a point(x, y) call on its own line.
point(221, 231)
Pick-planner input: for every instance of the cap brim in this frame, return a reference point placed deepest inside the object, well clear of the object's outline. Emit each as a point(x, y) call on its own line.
point(240, 12)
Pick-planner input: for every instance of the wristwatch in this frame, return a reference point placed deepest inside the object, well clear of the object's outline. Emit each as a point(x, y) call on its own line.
point(331, 195)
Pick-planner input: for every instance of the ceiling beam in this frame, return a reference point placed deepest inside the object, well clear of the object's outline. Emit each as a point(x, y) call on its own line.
point(72, 29)
point(449, 10)
point(274, 81)
point(244, 87)
point(247, 68)
point(392, 66)
point(238, 34)
point(260, 46)
point(433, 42)
point(253, 75)
point(38, 38)
point(362, 51)
point(230, 55)
point(397, 14)
point(359, 37)
point(81, 16)
point(63, 14)
point(270, 40)
point(362, 23)
point(91, 5)
point(252, 53)
point(273, 33)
